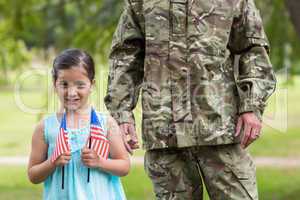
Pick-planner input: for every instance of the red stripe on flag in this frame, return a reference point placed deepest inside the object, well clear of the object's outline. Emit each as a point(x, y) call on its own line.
point(96, 128)
point(61, 145)
point(100, 146)
point(98, 137)
point(105, 150)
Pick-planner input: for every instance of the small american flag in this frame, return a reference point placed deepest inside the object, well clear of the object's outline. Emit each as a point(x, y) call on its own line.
point(62, 144)
point(98, 140)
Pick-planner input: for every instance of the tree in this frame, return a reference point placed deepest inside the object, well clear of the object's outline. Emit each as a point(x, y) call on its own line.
point(284, 41)
point(89, 24)
point(294, 6)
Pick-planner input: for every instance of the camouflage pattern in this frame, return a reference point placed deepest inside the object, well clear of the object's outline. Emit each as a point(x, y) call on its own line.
point(180, 54)
point(227, 171)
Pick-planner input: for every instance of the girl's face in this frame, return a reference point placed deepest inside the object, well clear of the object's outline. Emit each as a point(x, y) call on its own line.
point(73, 88)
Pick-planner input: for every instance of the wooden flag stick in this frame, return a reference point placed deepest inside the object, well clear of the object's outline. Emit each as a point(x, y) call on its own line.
point(63, 177)
point(88, 176)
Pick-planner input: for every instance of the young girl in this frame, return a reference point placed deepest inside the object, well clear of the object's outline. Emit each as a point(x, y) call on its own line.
point(65, 154)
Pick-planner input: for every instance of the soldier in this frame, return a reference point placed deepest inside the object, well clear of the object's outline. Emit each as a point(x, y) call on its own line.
point(205, 75)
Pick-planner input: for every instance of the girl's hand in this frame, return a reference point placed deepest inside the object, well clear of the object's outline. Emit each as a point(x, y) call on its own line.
point(90, 158)
point(63, 159)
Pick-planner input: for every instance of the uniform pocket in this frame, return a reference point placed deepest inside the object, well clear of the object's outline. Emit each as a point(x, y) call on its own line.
point(164, 168)
point(178, 11)
point(211, 25)
point(248, 181)
point(156, 16)
point(244, 171)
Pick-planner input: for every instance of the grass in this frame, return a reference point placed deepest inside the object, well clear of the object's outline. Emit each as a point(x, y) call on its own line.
point(278, 184)
point(273, 184)
point(14, 184)
point(273, 143)
point(16, 125)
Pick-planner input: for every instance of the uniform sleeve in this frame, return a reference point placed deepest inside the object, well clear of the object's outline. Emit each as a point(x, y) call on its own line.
point(126, 67)
point(255, 77)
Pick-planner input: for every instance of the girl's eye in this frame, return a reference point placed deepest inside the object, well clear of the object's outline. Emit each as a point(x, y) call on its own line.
point(81, 86)
point(64, 85)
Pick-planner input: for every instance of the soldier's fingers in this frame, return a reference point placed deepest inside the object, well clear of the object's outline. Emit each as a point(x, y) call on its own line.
point(238, 126)
point(254, 135)
point(134, 145)
point(126, 133)
point(124, 129)
point(258, 129)
point(247, 132)
point(134, 140)
point(127, 146)
point(132, 132)
point(126, 137)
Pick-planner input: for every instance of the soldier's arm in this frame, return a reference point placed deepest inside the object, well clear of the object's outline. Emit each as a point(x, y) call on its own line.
point(126, 67)
point(255, 76)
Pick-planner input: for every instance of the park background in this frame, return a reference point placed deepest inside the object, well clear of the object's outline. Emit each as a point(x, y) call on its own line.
point(32, 32)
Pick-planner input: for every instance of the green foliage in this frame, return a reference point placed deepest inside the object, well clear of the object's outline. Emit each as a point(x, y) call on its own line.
point(13, 51)
point(61, 24)
point(89, 24)
point(283, 39)
point(14, 184)
point(58, 24)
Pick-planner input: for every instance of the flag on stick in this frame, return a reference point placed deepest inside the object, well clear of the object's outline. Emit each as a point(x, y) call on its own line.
point(97, 140)
point(62, 145)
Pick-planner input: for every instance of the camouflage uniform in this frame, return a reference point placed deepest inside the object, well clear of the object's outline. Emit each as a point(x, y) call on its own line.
point(181, 54)
point(227, 170)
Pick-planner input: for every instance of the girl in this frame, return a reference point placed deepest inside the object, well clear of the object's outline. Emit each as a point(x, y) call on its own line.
point(65, 155)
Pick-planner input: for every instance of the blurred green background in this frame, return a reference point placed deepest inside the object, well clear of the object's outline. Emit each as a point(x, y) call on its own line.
point(32, 32)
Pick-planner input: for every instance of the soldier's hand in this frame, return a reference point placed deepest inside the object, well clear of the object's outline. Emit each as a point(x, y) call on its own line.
point(129, 137)
point(251, 128)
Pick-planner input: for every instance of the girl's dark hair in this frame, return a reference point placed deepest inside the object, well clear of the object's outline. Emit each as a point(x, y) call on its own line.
point(73, 58)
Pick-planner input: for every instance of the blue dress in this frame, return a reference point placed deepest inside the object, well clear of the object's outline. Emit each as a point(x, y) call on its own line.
point(102, 185)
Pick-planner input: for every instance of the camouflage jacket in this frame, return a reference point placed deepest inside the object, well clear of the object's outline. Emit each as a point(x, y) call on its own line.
point(181, 55)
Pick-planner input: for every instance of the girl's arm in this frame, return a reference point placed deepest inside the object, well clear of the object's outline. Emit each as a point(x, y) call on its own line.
point(119, 164)
point(39, 167)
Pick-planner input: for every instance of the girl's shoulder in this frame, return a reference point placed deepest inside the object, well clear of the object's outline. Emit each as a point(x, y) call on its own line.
point(106, 119)
point(50, 118)
point(51, 125)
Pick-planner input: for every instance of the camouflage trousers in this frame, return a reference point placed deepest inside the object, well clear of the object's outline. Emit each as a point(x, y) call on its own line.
point(226, 170)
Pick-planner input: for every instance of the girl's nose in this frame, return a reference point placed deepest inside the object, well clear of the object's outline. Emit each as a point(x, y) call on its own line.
point(72, 91)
